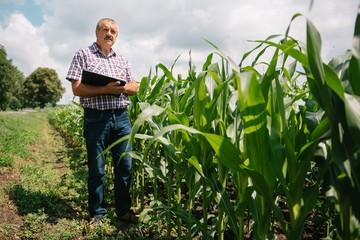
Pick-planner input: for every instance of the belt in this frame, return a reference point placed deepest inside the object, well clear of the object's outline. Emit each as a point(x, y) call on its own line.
point(115, 110)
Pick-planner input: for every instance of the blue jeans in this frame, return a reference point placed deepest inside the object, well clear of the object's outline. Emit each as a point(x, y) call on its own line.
point(102, 128)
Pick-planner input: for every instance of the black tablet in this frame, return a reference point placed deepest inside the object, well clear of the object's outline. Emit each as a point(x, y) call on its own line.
point(97, 79)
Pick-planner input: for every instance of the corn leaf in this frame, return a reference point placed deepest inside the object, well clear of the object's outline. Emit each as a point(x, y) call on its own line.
point(228, 154)
point(352, 111)
point(147, 113)
point(354, 68)
point(223, 200)
point(156, 91)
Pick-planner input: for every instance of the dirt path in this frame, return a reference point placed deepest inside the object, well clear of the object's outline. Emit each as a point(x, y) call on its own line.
point(8, 211)
point(44, 195)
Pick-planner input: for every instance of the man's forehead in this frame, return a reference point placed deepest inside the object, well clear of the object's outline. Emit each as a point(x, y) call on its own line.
point(108, 24)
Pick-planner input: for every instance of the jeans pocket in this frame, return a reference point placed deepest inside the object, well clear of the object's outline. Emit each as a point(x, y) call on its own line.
point(93, 116)
point(95, 123)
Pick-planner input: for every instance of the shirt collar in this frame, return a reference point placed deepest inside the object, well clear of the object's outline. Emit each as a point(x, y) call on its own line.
point(94, 48)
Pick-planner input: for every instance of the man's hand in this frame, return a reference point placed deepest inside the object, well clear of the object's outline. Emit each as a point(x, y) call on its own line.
point(114, 88)
point(131, 88)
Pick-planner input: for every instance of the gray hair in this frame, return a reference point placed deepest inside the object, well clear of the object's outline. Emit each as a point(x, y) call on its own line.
point(104, 19)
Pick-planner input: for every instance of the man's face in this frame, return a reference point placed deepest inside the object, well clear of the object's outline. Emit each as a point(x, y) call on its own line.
point(107, 34)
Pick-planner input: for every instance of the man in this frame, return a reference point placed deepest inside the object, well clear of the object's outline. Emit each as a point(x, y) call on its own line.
point(105, 119)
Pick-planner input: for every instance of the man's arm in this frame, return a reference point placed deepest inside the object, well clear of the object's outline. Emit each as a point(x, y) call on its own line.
point(84, 90)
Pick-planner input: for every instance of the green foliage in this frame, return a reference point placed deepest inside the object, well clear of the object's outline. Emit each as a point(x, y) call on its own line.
point(69, 120)
point(12, 129)
point(42, 87)
point(11, 80)
point(34, 225)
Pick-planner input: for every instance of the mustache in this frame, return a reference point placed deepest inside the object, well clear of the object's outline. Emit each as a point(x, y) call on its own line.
point(108, 37)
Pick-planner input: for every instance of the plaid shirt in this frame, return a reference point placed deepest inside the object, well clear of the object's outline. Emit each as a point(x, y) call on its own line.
point(114, 65)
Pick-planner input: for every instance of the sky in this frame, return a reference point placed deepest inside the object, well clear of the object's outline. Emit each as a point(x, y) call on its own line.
point(47, 33)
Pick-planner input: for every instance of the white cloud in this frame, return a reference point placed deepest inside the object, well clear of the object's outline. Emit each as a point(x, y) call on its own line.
point(157, 31)
point(25, 44)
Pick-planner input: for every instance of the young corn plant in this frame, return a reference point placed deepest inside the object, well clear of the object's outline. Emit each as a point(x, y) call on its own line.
point(341, 80)
point(69, 120)
point(199, 156)
point(167, 165)
point(335, 88)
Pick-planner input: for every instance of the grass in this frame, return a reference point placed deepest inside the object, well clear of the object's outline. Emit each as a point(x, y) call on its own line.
point(16, 134)
point(43, 185)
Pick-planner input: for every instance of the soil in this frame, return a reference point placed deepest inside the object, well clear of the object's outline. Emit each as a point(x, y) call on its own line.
point(8, 210)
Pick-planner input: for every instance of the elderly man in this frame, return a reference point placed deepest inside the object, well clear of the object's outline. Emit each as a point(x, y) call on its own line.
point(105, 119)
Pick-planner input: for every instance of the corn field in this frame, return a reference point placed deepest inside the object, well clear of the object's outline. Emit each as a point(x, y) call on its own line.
point(232, 153)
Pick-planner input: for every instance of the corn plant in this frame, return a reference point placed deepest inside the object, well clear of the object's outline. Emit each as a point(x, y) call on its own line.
point(275, 141)
point(338, 98)
point(68, 119)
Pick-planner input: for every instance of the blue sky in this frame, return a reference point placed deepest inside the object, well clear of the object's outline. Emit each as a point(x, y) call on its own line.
point(46, 33)
point(30, 9)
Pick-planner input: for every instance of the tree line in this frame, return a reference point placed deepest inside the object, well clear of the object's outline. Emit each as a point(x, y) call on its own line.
point(41, 88)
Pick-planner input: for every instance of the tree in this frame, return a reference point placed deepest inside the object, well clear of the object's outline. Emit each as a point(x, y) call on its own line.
point(42, 87)
point(11, 80)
